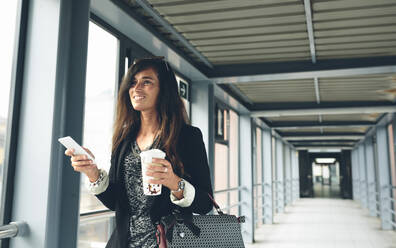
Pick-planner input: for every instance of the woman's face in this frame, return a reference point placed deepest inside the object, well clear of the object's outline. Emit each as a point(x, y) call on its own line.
point(144, 91)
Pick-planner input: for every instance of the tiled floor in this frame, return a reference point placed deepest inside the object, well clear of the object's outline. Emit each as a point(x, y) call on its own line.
point(324, 223)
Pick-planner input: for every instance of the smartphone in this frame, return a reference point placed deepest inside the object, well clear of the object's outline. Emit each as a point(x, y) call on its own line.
point(69, 142)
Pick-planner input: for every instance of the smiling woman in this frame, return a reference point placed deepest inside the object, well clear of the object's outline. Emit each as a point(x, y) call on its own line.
point(150, 114)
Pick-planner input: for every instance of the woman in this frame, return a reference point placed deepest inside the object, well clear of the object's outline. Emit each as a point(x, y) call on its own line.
point(150, 114)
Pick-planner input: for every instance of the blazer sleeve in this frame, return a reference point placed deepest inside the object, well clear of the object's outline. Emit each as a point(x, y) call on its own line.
point(108, 197)
point(197, 170)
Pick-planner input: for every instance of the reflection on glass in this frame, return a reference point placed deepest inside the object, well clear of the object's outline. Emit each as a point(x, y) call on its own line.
point(98, 121)
point(8, 13)
point(226, 161)
point(221, 172)
point(94, 232)
point(99, 104)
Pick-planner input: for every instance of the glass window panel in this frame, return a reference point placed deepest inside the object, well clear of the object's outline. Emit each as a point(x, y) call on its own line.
point(8, 13)
point(99, 104)
point(221, 167)
point(234, 149)
point(234, 199)
point(258, 156)
point(94, 232)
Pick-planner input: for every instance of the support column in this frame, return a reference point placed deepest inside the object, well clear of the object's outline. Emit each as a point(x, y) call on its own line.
point(287, 169)
point(355, 175)
point(280, 196)
point(371, 200)
point(362, 176)
point(267, 180)
point(295, 176)
point(202, 101)
point(383, 177)
point(246, 177)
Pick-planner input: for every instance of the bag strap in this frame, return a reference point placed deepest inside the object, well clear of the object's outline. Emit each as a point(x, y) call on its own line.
point(215, 205)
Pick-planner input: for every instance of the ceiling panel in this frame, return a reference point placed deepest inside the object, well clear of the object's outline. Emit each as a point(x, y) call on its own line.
point(354, 28)
point(352, 13)
point(257, 45)
point(182, 7)
point(350, 4)
point(293, 118)
point(251, 38)
point(356, 39)
point(240, 23)
point(256, 51)
point(279, 91)
point(222, 33)
point(360, 22)
point(261, 10)
point(379, 87)
point(352, 117)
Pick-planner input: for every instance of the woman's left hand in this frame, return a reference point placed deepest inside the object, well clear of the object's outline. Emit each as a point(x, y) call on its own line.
point(162, 174)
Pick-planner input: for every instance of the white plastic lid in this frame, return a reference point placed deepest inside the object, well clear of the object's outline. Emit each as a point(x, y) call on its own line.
point(153, 153)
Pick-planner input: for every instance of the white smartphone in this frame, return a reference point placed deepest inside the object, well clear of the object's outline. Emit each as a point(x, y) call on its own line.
point(69, 142)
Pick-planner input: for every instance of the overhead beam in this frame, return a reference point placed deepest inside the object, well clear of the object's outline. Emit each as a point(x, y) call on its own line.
point(325, 145)
point(309, 105)
point(324, 111)
point(308, 18)
point(326, 124)
point(306, 74)
point(157, 16)
point(322, 126)
point(297, 142)
point(324, 149)
point(322, 137)
point(332, 134)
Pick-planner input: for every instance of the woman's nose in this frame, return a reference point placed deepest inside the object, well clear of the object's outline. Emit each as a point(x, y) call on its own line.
point(138, 86)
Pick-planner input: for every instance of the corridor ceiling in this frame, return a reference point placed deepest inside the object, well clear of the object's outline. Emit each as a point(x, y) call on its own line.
point(322, 73)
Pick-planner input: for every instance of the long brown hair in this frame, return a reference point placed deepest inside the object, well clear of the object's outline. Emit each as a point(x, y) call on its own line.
point(171, 112)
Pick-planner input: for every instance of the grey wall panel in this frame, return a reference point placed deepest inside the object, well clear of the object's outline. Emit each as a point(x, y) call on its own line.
point(371, 182)
point(267, 164)
point(383, 177)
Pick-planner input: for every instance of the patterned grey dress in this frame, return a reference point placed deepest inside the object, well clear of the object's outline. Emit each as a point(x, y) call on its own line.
point(141, 229)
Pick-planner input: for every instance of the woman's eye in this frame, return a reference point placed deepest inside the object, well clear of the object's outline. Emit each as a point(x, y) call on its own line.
point(146, 82)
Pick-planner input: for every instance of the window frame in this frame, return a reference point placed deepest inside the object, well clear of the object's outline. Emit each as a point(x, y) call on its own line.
point(13, 119)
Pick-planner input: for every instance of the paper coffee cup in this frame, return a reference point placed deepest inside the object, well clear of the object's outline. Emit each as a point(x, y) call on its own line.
point(146, 158)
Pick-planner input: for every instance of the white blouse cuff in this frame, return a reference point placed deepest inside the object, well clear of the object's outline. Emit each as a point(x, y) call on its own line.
point(100, 185)
point(188, 196)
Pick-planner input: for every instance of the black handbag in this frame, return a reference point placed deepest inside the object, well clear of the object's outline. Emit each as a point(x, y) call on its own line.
point(188, 230)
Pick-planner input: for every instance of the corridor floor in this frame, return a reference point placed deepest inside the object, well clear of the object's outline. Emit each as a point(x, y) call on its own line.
point(324, 223)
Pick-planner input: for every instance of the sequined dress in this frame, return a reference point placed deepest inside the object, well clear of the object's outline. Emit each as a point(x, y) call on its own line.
point(141, 229)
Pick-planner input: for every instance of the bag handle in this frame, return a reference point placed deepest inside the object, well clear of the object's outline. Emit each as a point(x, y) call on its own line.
point(215, 205)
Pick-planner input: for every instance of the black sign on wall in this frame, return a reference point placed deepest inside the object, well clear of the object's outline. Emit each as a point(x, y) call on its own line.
point(183, 90)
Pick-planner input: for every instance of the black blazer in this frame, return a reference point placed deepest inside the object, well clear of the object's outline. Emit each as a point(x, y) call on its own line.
point(192, 153)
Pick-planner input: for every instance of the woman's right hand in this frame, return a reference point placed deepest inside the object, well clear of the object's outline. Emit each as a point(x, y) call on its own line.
point(81, 163)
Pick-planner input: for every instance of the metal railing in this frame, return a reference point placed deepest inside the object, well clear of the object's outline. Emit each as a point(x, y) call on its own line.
point(13, 229)
point(228, 207)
